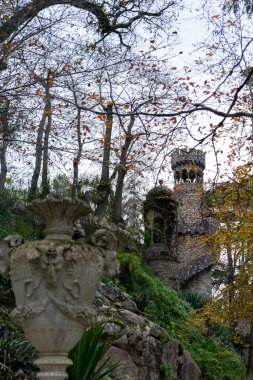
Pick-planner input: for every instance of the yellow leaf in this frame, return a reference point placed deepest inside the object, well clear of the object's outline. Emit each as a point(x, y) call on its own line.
point(47, 111)
point(101, 116)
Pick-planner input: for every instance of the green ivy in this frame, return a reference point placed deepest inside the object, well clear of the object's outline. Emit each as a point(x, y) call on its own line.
point(167, 371)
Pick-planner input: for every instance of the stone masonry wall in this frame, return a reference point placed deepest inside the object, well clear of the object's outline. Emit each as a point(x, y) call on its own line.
point(189, 247)
point(201, 283)
point(189, 197)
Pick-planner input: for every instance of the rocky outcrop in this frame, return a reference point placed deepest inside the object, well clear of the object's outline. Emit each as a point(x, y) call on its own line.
point(144, 347)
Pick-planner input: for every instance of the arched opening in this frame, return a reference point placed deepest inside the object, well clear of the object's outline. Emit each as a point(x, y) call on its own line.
point(177, 177)
point(185, 175)
point(192, 176)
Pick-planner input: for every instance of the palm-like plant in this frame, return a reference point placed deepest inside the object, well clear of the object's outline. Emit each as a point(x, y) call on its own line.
point(87, 357)
point(196, 300)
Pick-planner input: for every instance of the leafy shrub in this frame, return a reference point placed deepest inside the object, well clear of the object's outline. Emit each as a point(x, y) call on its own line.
point(87, 357)
point(213, 358)
point(16, 353)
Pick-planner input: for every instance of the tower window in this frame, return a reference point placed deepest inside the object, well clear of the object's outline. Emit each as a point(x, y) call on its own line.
point(192, 176)
point(185, 175)
point(177, 177)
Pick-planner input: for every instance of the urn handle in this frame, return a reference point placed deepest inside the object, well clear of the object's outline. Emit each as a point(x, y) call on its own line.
point(107, 243)
point(6, 247)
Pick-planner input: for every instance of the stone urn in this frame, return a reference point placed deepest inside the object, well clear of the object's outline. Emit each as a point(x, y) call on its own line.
point(55, 280)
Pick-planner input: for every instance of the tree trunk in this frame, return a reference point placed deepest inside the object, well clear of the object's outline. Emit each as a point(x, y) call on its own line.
point(4, 143)
point(76, 160)
point(231, 272)
point(117, 207)
point(104, 187)
point(38, 152)
point(44, 178)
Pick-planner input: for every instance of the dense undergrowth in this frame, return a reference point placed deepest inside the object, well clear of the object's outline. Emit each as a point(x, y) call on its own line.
point(209, 346)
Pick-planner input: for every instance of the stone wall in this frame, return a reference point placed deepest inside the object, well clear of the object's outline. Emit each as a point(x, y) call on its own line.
point(189, 197)
point(189, 247)
point(201, 283)
point(167, 271)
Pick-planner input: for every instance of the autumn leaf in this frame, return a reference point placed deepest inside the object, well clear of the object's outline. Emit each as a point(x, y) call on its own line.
point(173, 68)
point(182, 99)
point(101, 116)
point(47, 111)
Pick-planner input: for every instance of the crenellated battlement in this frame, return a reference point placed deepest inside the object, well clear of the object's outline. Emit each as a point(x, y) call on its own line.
point(184, 156)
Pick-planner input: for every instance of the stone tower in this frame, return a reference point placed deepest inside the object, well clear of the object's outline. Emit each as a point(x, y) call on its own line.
point(185, 260)
point(195, 256)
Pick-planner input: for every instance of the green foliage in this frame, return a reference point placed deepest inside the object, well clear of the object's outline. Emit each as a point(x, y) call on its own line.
point(87, 357)
point(224, 333)
point(213, 358)
point(196, 300)
point(12, 221)
point(16, 353)
point(130, 262)
point(167, 371)
point(61, 186)
point(161, 303)
point(147, 238)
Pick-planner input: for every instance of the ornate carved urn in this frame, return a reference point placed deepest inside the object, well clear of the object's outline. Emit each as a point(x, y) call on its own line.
point(55, 281)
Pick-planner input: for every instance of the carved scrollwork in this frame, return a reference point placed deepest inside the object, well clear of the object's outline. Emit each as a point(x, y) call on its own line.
point(104, 239)
point(107, 244)
point(6, 246)
point(14, 240)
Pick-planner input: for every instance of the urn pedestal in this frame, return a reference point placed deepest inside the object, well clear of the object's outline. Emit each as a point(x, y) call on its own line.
point(55, 281)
